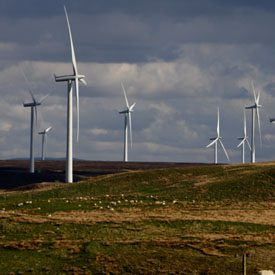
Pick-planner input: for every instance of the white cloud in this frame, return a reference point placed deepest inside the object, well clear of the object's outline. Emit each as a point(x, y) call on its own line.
point(5, 126)
point(188, 133)
point(97, 131)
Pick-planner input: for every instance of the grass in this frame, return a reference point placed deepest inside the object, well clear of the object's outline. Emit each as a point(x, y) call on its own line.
point(191, 220)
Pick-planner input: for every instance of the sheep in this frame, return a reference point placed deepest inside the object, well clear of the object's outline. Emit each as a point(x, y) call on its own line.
point(265, 272)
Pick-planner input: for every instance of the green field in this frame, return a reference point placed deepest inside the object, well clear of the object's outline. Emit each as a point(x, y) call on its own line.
point(194, 220)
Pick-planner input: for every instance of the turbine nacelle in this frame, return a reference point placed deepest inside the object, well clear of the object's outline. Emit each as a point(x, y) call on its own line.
point(251, 107)
point(254, 106)
point(63, 78)
point(45, 131)
point(128, 110)
point(124, 112)
point(31, 104)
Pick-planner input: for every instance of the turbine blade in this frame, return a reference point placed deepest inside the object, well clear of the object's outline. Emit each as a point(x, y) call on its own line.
point(28, 85)
point(259, 124)
point(130, 124)
point(241, 142)
point(42, 98)
point(211, 143)
point(248, 144)
point(77, 107)
point(71, 41)
point(258, 97)
point(126, 100)
point(48, 129)
point(83, 81)
point(223, 149)
point(132, 107)
point(254, 93)
point(35, 114)
point(33, 98)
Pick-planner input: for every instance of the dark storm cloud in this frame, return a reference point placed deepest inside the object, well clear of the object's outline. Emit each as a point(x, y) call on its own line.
point(176, 8)
point(130, 31)
point(270, 88)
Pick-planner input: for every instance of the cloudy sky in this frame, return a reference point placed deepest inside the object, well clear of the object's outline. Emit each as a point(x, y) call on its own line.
point(179, 60)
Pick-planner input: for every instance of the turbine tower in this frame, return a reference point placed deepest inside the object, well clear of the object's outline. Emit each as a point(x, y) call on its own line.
point(44, 141)
point(254, 107)
point(217, 140)
point(128, 118)
point(33, 105)
point(75, 77)
point(244, 139)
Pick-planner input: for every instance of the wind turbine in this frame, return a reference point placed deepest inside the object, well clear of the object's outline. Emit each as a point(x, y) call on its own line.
point(127, 113)
point(44, 141)
point(75, 77)
point(33, 106)
point(244, 139)
point(217, 140)
point(254, 107)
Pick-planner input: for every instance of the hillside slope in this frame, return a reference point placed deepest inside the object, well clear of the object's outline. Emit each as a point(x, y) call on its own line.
point(189, 220)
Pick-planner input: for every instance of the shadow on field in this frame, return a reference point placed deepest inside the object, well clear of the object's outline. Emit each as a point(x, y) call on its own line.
point(17, 178)
point(14, 174)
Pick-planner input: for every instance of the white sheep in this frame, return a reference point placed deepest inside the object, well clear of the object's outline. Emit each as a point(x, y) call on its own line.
point(265, 272)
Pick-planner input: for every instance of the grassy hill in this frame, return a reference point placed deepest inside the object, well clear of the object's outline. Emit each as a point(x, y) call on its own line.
point(188, 220)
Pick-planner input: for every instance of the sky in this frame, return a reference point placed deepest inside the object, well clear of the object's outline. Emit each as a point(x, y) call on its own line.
point(179, 60)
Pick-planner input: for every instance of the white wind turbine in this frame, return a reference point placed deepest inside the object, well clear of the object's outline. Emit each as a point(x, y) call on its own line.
point(33, 105)
point(217, 140)
point(254, 107)
point(75, 77)
point(44, 141)
point(244, 139)
point(127, 113)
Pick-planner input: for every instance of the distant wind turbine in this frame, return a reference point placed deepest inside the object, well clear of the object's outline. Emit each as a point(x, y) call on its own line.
point(127, 113)
point(33, 106)
point(75, 77)
point(44, 141)
point(217, 140)
point(256, 106)
point(244, 139)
